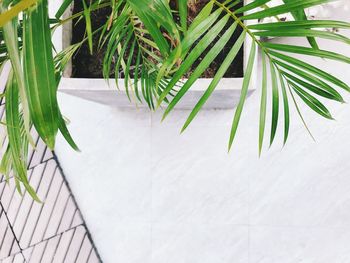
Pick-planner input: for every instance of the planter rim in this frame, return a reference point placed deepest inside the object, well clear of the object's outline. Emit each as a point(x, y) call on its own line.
point(225, 96)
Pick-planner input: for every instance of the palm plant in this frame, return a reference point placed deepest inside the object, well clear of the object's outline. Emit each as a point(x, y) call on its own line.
point(155, 45)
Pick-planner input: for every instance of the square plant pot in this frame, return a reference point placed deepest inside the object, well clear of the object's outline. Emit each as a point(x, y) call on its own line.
point(112, 93)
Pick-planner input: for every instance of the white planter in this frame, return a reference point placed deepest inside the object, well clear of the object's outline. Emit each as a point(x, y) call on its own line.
point(225, 96)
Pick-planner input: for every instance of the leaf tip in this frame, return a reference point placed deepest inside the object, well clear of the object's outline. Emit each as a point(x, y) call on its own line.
point(159, 103)
point(77, 150)
point(50, 142)
point(229, 146)
point(163, 118)
point(284, 142)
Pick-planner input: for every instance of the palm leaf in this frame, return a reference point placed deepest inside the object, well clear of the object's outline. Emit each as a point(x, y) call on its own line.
point(299, 15)
point(295, 71)
point(263, 103)
point(285, 108)
point(39, 72)
point(12, 49)
point(8, 15)
point(219, 75)
point(275, 103)
point(245, 86)
point(14, 135)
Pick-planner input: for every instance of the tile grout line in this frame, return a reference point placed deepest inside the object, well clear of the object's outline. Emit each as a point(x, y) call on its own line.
point(32, 202)
point(32, 246)
point(43, 253)
point(29, 169)
point(80, 247)
point(93, 246)
point(56, 235)
point(10, 226)
point(63, 213)
point(42, 207)
point(69, 244)
point(32, 156)
point(20, 205)
point(52, 209)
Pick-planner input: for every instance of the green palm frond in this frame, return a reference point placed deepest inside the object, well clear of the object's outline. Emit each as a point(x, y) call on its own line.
point(136, 56)
point(12, 12)
point(160, 54)
point(301, 77)
point(31, 88)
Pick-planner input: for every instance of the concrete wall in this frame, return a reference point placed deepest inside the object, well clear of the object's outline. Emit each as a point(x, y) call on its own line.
point(149, 194)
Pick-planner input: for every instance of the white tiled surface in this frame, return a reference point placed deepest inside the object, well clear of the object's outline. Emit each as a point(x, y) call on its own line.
point(151, 195)
point(155, 196)
point(214, 243)
point(299, 244)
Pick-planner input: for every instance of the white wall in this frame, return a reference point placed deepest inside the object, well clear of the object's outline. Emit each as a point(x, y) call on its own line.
point(151, 195)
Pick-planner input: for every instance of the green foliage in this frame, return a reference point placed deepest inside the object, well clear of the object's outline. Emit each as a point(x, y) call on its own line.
point(153, 45)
